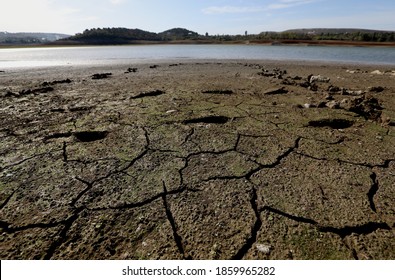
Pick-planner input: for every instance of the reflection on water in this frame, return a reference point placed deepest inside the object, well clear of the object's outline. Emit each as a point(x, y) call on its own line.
point(37, 57)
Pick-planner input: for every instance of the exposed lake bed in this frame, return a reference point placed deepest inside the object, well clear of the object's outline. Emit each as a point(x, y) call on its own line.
point(198, 159)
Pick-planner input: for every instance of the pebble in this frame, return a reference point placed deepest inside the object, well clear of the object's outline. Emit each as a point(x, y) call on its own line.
point(377, 72)
point(333, 104)
point(264, 248)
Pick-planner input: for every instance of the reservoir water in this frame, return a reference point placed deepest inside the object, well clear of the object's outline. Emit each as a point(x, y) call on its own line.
point(75, 56)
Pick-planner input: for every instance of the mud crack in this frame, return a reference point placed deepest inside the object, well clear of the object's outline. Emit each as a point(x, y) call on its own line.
point(361, 229)
point(62, 234)
point(170, 217)
point(254, 230)
point(342, 232)
point(373, 190)
point(208, 120)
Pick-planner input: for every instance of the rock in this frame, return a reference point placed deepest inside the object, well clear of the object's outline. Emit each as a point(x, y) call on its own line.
point(304, 84)
point(131, 70)
point(329, 97)
point(351, 92)
point(100, 76)
point(376, 89)
point(288, 82)
point(322, 104)
point(313, 87)
point(264, 248)
point(277, 73)
point(345, 104)
point(319, 79)
point(377, 72)
point(334, 89)
point(333, 104)
point(369, 107)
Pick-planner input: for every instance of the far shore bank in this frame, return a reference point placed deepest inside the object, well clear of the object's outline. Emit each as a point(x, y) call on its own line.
point(215, 42)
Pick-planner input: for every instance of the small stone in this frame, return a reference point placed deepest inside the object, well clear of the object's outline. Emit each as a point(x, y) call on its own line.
point(376, 89)
point(321, 104)
point(329, 97)
point(264, 248)
point(377, 72)
point(319, 79)
point(333, 104)
point(313, 87)
point(345, 103)
point(334, 89)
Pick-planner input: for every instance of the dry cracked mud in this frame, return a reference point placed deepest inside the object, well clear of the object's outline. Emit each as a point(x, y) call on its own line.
point(198, 160)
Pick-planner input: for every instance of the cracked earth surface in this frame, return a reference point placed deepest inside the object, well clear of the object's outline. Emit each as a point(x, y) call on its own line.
point(197, 160)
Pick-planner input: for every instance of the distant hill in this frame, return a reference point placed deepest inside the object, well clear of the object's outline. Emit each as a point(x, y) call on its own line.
point(178, 34)
point(119, 36)
point(334, 30)
point(332, 34)
point(104, 36)
point(7, 38)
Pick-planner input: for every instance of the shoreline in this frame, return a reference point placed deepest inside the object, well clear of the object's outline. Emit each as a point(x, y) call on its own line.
point(280, 63)
point(285, 42)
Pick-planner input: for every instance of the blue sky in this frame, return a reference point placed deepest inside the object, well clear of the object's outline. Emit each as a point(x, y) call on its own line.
point(214, 17)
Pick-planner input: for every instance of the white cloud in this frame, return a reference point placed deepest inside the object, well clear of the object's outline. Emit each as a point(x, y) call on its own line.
point(232, 10)
point(117, 2)
point(279, 4)
point(285, 4)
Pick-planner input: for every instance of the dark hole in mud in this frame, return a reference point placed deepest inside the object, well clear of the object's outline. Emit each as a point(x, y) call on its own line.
point(332, 123)
point(90, 136)
point(209, 119)
point(149, 94)
point(220, 91)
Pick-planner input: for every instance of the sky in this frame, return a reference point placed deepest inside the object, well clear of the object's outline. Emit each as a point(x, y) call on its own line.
point(215, 16)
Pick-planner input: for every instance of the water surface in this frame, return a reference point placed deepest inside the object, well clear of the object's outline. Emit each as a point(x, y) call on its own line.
point(74, 56)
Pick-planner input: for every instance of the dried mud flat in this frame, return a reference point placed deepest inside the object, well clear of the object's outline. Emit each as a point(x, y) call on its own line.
point(198, 160)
